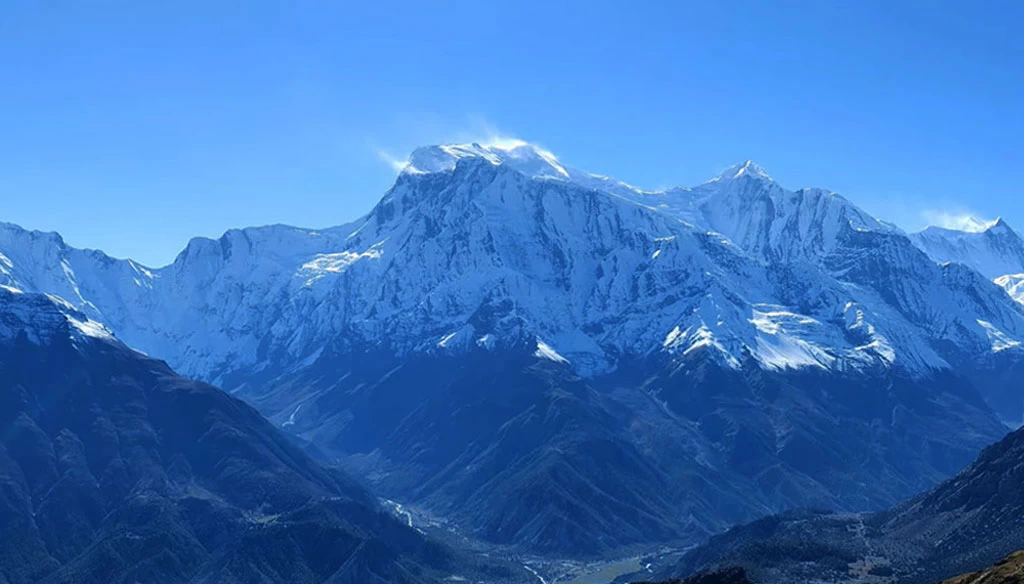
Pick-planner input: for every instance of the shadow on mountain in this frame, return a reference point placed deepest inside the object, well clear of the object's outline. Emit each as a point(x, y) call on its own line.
point(115, 470)
point(966, 523)
point(518, 450)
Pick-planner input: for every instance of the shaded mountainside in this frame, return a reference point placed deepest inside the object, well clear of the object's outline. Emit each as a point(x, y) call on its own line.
point(967, 523)
point(114, 469)
point(499, 323)
point(519, 450)
point(1008, 571)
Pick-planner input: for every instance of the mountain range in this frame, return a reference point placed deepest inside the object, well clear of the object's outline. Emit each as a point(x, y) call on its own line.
point(565, 364)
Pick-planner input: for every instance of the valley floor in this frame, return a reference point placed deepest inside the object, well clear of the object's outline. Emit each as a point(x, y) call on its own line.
point(634, 564)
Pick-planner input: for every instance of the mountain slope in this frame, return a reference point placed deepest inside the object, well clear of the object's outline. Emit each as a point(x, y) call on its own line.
point(966, 523)
point(114, 469)
point(1008, 571)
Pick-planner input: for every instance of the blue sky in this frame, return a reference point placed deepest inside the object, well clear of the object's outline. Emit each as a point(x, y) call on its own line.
point(131, 127)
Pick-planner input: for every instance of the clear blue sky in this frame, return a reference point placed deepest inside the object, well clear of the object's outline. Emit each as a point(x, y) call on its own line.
point(131, 128)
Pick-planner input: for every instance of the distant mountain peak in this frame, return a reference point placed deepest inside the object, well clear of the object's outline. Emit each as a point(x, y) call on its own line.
point(969, 224)
point(747, 168)
point(992, 248)
point(998, 226)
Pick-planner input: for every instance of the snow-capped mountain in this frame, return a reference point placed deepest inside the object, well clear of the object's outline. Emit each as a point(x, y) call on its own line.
point(1013, 284)
point(992, 248)
point(592, 268)
point(756, 326)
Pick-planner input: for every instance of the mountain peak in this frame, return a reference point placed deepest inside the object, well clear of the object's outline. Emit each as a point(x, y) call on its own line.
point(992, 248)
point(975, 225)
point(747, 168)
point(998, 226)
point(524, 157)
point(969, 224)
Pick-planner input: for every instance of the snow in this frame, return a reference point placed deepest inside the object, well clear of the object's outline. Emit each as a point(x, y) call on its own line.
point(528, 159)
point(524, 157)
point(1013, 284)
point(779, 344)
point(704, 338)
point(400, 511)
point(966, 224)
point(748, 168)
point(484, 245)
point(90, 328)
point(44, 317)
point(291, 419)
point(1000, 340)
point(546, 352)
point(534, 572)
point(336, 263)
point(672, 337)
point(992, 248)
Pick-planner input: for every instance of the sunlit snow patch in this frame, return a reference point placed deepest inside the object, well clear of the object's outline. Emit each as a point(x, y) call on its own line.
point(336, 263)
point(1000, 341)
point(546, 352)
point(90, 328)
point(781, 344)
point(1013, 284)
point(695, 338)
